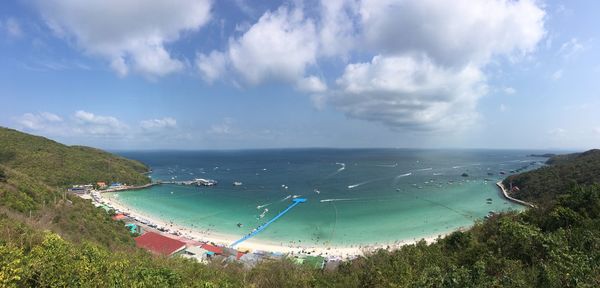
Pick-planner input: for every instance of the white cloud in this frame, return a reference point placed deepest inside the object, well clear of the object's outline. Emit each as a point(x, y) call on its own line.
point(163, 123)
point(12, 27)
point(82, 123)
point(509, 90)
point(428, 73)
point(503, 108)
point(337, 27)
point(212, 66)
point(38, 121)
point(280, 46)
point(223, 128)
point(311, 84)
point(557, 74)
point(87, 124)
point(90, 123)
point(429, 55)
point(129, 34)
point(571, 48)
point(409, 92)
point(453, 32)
point(558, 132)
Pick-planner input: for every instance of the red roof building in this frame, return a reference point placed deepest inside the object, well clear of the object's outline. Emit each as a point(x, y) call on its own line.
point(159, 244)
point(211, 248)
point(119, 217)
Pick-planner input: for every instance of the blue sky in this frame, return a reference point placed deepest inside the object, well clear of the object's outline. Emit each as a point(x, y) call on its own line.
point(341, 73)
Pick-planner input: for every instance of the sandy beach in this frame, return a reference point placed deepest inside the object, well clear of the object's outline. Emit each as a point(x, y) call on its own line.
point(251, 245)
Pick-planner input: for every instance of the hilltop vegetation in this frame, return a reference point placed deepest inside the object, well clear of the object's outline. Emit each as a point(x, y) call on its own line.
point(66, 242)
point(32, 187)
point(564, 172)
point(58, 165)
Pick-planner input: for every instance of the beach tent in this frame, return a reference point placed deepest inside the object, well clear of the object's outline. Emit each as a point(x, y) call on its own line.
point(132, 228)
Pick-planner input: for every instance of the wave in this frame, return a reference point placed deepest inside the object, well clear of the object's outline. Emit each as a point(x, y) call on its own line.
point(286, 197)
point(438, 174)
point(342, 168)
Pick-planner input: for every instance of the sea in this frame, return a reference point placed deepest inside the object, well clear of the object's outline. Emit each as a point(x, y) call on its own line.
point(354, 196)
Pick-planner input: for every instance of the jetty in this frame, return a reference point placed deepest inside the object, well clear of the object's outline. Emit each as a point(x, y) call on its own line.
point(129, 188)
point(501, 186)
point(198, 182)
point(263, 226)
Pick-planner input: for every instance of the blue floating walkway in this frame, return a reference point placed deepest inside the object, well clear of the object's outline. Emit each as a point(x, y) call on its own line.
point(262, 227)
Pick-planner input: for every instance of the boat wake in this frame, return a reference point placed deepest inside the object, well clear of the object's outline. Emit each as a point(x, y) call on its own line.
point(262, 215)
point(263, 206)
point(342, 168)
point(339, 199)
point(388, 165)
point(285, 198)
point(425, 169)
point(358, 184)
point(403, 175)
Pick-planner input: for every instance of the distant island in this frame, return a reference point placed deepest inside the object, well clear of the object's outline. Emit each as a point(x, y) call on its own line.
point(545, 155)
point(54, 238)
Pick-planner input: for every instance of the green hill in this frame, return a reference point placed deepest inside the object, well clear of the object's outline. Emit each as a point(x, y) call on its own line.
point(562, 173)
point(34, 174)
point(59, 165)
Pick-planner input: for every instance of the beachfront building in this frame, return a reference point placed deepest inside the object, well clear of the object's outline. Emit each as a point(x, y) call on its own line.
point(159, 244)
point(117, 185)
point(81, 189)
point(119, 216)
point(198, 253)
point(101, 185)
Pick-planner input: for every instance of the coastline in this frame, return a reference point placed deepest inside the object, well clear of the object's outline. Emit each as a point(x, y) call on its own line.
point(191, 234)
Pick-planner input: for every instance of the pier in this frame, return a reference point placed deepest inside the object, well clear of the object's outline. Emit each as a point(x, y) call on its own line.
point(505, 193)
point(263, 226)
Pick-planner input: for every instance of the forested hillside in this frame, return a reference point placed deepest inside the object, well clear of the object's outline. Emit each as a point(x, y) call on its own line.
point(59, 165)
point(564, 172)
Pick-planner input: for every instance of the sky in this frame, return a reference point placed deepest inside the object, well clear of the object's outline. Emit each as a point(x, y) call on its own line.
point(239, 74)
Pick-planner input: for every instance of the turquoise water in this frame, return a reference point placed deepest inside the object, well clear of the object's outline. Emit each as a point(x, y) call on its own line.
point(354, 197)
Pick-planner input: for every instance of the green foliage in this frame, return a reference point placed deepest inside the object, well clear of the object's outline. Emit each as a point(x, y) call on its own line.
point(544, 185)
point(58, 165)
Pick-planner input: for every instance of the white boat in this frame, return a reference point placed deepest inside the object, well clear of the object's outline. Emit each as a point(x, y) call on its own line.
point(237, 183)
point(205, 182)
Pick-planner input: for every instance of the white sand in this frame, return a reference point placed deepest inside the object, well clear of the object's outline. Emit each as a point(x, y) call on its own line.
point(253, 245)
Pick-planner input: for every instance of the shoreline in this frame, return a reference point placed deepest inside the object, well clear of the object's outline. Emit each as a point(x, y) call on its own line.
point(193, 234)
